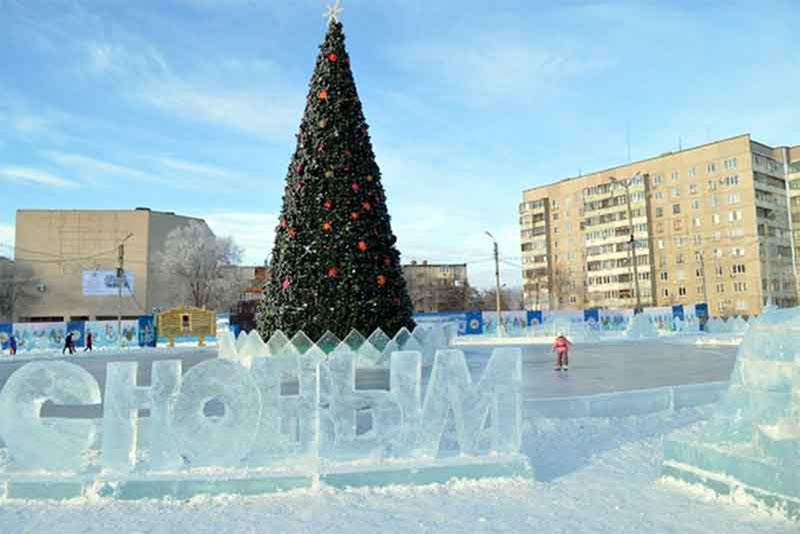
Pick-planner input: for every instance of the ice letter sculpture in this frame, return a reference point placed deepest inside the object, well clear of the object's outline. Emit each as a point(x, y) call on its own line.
point(751, 446)
point(123, 399)
point(220, 440)
point(36, 443)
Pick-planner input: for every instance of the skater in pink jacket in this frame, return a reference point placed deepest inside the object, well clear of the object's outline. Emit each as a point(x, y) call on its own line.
point(561, 346)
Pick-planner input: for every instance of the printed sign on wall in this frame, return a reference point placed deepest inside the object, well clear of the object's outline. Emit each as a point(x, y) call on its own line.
point(104, 283)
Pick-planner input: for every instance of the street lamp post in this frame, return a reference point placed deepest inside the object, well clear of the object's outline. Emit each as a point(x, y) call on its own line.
point(120, 282)
point(627, 184)
point(497, 279)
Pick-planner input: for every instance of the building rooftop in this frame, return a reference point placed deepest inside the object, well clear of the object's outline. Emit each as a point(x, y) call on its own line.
point(670, 153)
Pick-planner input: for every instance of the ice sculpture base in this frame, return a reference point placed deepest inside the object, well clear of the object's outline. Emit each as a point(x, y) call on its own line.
point(739, 473)
point(187, 484)
point(420, 473)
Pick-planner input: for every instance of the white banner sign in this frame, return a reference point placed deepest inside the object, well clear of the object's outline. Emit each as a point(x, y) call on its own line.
point(104, 283)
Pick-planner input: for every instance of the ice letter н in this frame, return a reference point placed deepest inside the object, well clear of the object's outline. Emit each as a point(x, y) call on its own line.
point(56, 444)
point(120, 413)
point(220, 440)
point(497, 395)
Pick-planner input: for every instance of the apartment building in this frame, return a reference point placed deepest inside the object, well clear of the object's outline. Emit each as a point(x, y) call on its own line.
point(73, 256)
point(436, 287)
point(708, 224)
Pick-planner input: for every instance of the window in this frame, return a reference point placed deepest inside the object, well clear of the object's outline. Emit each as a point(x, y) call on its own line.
point(663, 276)
point(717, 252)
point(659, 195)
point(665, 292)
point(555, 216)
point(696, 221)
point(720, 288)
point(682, 291)
point(715, 218)
point(569, 228)
point(712, 167)
point(733, 198)
point(698, 273)
point(679, 258)
point(716, 236)
point(740, 287)
point(674, 176)
point(692, 189)
point(737, 252)
point(712, 185)
point(676, 192)
point(713, 201)
point(732, 180)
point(676, 225)
point(738, 268)
point(718, 270)
point(573, 299)
point(657, 179)
point(661, 243)
point(730, 163)
point(660, 227)
point(691, 171)
point(659, 212)
point(696, 204)
point(735, 215)
point(676, 209)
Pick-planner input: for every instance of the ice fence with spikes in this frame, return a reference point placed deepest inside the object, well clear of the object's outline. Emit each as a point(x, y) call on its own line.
point(750, 449)
point(268, 416)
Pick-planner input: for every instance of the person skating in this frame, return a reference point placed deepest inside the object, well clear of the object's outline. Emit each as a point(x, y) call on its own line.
point(68, 344)
point(561, 347)
point(88, 342)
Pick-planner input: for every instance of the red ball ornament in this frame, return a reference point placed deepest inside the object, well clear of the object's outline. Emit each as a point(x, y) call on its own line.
point(381, 280)
point(323, 95)
point(286, 283)
point(327, 226)
point(332, 272)
point(362, 246)
point(292, 232)
point(332, 57)
point(366, 206)
point(327, 204)
point(298, 168)
point(354, 216)
point(283, 222)
point(355, 186)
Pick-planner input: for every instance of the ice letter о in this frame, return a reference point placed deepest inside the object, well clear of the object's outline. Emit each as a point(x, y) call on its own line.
point(123, 399)
point(220, 440)
point(297, 413)
point(496, 395)
point(35, 443)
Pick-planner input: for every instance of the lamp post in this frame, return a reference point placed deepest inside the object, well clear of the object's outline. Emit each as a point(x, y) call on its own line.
point(627, 184)
point(497, 279)
point(120, 282)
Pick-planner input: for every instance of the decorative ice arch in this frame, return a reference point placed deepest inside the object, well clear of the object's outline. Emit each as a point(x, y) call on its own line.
point(751, 446)
point(289, 413)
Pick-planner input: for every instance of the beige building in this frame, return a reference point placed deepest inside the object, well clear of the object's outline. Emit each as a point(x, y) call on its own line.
point(436, 287)
point(7, 295)
point(73, 254)
point(707, 224)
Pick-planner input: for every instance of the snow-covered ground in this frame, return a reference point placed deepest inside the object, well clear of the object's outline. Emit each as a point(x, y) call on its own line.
point(593, 476)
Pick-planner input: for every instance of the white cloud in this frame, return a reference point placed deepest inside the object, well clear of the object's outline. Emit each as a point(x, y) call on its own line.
point(194, 168)
point(94, 169)
point(253, 231)
point(36, 176)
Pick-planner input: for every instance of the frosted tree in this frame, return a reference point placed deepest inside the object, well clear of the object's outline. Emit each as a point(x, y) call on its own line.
point(204, 266)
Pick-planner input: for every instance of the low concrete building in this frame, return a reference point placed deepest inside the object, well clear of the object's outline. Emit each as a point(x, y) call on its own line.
point(74, 255)
point(435, 287)
point(6, 289)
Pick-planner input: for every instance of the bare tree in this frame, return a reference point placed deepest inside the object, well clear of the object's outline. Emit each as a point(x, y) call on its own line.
point(204, 265)
point(17, 285)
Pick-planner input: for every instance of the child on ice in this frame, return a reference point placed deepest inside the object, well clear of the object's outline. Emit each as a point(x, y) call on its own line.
point(561, 346)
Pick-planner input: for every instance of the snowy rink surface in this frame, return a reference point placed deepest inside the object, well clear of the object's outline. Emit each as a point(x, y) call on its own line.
point(593, 476)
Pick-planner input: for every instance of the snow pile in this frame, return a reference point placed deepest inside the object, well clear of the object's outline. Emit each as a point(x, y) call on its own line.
point(641, 327)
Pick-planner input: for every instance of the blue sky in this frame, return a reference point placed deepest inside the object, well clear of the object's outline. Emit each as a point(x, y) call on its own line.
point(192, 105)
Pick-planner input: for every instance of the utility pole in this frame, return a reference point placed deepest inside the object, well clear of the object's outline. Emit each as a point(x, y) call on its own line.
point(627, 184)
point(120, 282)
point(497, 279)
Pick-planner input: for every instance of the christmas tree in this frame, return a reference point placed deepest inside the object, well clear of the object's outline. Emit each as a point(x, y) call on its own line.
point(334, 264)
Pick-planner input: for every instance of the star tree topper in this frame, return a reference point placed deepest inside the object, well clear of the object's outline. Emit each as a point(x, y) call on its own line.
point(333, 12)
